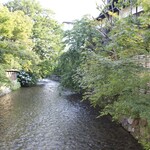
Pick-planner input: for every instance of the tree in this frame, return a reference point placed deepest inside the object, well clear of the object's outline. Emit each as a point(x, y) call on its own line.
point(32, 8)
point(83, 37)
point(15, 43)
point(46, 32)
point(102, 62)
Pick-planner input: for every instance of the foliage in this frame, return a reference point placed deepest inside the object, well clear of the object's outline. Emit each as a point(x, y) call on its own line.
point(15, 43)
point(3, 79)
point(14, 85)
point(30, 38)
point(31, 8)
point(46, 33)
point(112, 77)
point(83, 34)
point(102, 62)
point(26, 78)
point(46, 68)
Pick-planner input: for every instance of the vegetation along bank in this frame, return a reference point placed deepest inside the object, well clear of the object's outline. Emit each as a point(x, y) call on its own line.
point(107, 60)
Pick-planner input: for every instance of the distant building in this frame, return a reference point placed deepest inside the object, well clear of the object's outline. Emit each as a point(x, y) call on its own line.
point(122, 13)
point(110, 6)
point(67, 25)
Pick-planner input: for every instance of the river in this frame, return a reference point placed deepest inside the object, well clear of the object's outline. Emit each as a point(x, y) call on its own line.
point(40, 118)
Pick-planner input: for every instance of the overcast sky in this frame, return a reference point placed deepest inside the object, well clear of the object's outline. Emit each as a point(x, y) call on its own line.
point(68, 10)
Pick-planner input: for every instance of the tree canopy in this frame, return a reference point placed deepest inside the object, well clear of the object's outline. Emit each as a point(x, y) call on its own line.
point(15, 42)
point(30, 37)
point(103, 63)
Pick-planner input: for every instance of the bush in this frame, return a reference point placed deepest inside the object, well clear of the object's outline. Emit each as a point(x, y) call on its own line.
point(26, 79)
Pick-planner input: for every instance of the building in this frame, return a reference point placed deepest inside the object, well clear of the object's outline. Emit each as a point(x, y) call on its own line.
point(12, 74)
point(124, 11)
point(67, 25)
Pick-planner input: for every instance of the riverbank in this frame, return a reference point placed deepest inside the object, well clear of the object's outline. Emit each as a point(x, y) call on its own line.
point(5, 89)
point(137, 127)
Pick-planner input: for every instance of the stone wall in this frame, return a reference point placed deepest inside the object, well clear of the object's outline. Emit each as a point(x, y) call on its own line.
point(138, 128)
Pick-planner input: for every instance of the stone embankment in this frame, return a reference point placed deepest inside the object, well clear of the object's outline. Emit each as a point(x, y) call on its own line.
point(137, 127)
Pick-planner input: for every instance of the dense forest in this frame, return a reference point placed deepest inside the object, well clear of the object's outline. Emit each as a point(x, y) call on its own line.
point(101, 62)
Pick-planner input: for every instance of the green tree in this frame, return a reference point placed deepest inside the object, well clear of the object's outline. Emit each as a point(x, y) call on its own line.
point(102, 61)
point(46, 33)
point(15, 44)
point(83, 37)
point(32, 8)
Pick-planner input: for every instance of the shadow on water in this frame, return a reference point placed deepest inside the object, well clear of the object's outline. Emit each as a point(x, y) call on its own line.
point(39, 118)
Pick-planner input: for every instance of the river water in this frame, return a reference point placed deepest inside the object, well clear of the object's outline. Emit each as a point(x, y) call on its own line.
point(40, 118)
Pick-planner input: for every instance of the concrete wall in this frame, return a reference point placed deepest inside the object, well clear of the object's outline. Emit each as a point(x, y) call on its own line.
point(137, 127)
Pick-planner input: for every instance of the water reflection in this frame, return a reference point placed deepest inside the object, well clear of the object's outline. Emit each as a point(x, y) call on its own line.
point(38, 118)
point(6, 104)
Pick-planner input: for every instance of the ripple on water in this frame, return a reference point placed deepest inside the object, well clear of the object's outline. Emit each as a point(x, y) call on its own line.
point(40, 118)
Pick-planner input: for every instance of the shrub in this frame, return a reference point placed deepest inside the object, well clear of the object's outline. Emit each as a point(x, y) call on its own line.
point(26, 78)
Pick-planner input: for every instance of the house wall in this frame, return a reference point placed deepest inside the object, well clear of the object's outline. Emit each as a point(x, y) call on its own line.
point(12, 75)
point(127, 11)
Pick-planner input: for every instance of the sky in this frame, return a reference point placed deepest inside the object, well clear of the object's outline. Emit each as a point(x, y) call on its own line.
point(68, 10)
